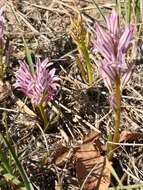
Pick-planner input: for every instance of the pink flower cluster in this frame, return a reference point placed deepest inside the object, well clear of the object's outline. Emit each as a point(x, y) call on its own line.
point(39, 86)
point(2, 20)
point(112, 45)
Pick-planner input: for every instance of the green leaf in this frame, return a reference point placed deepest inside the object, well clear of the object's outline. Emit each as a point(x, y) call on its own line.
point(28, 55)
point(20, 168)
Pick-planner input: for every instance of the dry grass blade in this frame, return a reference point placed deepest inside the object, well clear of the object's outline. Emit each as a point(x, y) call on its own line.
point(23, 108)
point(80, 115)
point(20, 16)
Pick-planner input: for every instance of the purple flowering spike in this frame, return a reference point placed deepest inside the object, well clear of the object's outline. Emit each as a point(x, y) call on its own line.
point(107, 76)
point(23, 78)
point(2, 20)
point(39, 86)
point(104, 38)
point(125, 39)
point(113, 23)
point(100, 48)
point(127, 75)
point(104, 43)
point(112, 45)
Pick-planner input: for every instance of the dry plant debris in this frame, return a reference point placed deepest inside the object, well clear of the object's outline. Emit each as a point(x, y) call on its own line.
point(71, 156)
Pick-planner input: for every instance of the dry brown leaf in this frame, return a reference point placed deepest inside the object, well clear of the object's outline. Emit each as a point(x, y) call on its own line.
point(130, 135)
point(62, 152)
point(89, 157)
point(60, 155)
point(99, 178)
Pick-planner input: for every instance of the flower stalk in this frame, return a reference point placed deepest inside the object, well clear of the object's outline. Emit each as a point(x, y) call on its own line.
point(79, 36)
point(113, 67)
point(39, 85)
point(117, 111)
point(117, 120)
point(43, 116)
point(84, 51)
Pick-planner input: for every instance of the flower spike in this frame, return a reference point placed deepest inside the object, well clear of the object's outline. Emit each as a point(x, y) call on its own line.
point(40, 87)
point(125, 39)
point(113, 24)
point(113, 68)
point(112, 46)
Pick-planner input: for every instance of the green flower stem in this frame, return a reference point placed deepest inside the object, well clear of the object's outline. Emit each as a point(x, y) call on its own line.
point(43, 115)
point(117, 126)
point(81, 67)
point(83, 49)
point(117, 115)
point(117, 112)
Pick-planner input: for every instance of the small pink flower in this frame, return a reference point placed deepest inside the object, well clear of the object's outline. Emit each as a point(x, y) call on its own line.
point(112, 45)
point(39, 86)
point(113, 24)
